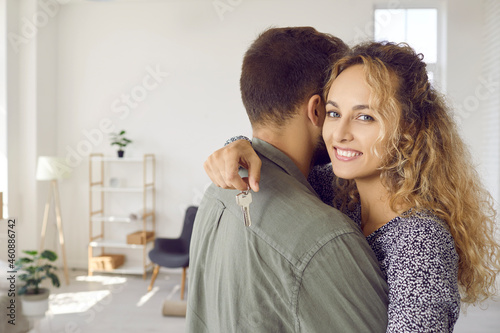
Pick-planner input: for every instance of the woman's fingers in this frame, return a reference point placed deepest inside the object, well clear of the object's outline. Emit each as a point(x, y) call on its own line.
point(254, 166)
point(223, 165)
point(231, 167)
point(214, 175)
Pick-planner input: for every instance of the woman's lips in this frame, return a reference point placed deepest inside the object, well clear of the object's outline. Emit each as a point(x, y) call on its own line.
point(344, 154)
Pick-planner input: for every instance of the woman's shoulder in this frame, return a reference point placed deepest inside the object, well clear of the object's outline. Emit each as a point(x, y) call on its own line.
point(422, 230)
point(423, 220)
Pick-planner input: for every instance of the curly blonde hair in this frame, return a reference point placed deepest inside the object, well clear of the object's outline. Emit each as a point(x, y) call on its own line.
point(426, 165)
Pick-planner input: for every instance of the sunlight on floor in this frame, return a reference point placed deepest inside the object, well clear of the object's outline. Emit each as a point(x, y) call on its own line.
point(76, 302)
point(146, 297)
point(105, 280)
point(174, 290)
point(82, 301)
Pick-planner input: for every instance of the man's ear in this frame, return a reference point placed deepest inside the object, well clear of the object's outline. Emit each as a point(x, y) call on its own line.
point(316, 110)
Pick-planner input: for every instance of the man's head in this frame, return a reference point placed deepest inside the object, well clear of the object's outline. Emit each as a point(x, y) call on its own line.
point(282, 69)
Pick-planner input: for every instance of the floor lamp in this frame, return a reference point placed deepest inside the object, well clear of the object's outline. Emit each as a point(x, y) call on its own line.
point(53, 169)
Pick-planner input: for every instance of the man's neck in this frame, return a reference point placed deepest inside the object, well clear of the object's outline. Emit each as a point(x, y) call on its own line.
point(293, 142)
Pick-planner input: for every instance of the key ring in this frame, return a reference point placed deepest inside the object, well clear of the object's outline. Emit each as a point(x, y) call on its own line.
point(247, 191)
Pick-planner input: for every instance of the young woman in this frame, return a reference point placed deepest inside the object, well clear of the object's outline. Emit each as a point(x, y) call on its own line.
point(405, 176)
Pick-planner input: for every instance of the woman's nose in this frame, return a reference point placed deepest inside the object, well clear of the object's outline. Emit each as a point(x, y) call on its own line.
point(342, 132)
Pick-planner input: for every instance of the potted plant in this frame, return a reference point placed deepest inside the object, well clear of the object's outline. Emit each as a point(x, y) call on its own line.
point(121, 141)
point(37, 267)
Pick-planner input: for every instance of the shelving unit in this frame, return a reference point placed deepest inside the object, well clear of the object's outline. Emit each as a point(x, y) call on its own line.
point(101, 219)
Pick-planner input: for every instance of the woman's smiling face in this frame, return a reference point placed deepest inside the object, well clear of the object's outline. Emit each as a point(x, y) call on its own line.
point(351, 127)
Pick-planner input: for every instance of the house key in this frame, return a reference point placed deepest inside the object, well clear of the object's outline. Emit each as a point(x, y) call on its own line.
point(244, 199)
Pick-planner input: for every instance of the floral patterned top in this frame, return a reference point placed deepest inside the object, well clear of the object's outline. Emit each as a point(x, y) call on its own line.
point(418, 257)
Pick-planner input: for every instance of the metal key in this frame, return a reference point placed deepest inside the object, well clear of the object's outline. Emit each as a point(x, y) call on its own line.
point(244, 199)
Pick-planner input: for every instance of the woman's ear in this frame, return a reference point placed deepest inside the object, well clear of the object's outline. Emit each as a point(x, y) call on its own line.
point(316, 110)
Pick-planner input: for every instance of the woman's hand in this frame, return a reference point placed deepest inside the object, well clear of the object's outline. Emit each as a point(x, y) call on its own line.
point(222, 166)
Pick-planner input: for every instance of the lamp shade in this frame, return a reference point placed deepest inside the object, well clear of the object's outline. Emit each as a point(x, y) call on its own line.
point(50, 168)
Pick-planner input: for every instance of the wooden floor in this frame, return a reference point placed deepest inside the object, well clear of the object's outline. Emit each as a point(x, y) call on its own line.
point(110, 303)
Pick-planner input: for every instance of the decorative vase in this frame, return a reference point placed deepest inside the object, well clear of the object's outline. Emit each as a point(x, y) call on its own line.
point(120, 153)
point(35, 305)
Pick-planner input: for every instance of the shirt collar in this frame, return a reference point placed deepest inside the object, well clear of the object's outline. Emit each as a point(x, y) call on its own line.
point(281, 159)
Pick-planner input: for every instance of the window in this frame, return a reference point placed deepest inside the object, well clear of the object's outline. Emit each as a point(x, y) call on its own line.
point(416, 26)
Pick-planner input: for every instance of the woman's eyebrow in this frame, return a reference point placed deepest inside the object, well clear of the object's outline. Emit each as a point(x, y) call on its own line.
point(360, 107)
point(355, 108)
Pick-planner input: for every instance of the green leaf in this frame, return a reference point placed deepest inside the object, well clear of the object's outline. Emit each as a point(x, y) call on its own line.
point(50, 255)
point(22, 261)
point(31, 253)
point(23, 277)
point(122, 132)
point(55, 279)
point(22, 290)
point(48, 267)
point(32, 282)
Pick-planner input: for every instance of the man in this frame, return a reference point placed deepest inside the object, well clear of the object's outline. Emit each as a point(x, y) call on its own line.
point(301, 266)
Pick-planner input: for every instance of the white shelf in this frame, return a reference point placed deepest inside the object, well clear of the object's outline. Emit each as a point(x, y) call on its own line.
point(118, 189)
point(99, 165)
point(114, 219)
point(121, 219)
point(117, 159)
point(125, 269)
point(116, 244)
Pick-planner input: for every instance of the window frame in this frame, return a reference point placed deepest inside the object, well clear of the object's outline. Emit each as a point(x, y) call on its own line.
point(439, 67)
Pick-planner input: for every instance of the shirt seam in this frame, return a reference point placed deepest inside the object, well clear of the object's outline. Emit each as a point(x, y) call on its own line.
point(299, 277)
point(192, 312)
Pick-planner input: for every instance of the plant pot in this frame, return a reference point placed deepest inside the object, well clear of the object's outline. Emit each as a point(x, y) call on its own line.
point(36, 305)
point(120, 153)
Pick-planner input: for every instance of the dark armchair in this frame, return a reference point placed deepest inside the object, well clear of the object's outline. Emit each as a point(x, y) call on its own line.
point(174, 252)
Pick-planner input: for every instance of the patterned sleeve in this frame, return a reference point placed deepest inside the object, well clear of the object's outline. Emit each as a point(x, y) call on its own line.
point(422, 279)
point(236, 138)
point(321, 180)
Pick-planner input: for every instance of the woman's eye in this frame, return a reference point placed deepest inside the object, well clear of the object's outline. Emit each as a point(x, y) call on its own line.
point(332, 114)
point(365, 117)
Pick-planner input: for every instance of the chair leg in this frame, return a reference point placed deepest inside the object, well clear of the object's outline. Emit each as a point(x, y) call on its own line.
point(153, 278)
point(183, 283)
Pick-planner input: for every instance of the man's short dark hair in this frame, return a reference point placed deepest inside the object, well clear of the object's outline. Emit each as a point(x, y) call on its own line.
point(284, 67)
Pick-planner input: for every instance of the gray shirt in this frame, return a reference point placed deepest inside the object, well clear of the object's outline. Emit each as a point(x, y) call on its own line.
point(301, 267)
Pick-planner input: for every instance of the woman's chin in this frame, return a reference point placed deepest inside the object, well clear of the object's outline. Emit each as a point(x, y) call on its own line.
point(343, 175)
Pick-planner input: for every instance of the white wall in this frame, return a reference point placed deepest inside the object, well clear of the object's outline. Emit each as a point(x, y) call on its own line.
point(91, 53)
point(464, 47)
point(471, 87)
point(21, 106)
point(103, 52)
point(3, 120)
